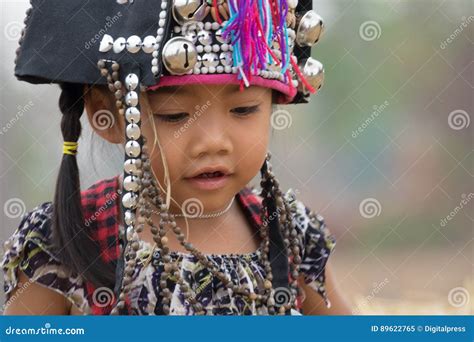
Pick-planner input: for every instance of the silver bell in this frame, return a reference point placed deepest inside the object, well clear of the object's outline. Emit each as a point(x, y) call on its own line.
point(179, 55)
point(189, 10)
point(309, 28)
point(313, 71)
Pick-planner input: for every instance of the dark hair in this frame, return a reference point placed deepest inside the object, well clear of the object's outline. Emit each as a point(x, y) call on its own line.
point(71, 236)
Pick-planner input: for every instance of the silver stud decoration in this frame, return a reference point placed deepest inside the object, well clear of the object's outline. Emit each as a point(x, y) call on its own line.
point(149, 43)
point(204, 37)
point(163, 17)
point(119, 44)
point(134, 44)
point(210, 59)
point(309, 28)
point(132, 175)
point(106, 43)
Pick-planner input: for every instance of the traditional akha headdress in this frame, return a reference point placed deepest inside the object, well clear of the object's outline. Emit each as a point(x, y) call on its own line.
point(141, 45)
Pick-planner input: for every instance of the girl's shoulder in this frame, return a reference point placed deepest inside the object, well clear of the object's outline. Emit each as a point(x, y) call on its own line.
point(316, 242)
point(30, 247)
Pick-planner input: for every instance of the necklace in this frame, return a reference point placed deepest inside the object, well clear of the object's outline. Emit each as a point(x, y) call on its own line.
point(263, 294)
point(210, 215)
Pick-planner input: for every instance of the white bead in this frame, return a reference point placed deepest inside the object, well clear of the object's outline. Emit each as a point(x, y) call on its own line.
point(119, 45)
point(106, 43)
point(228, 69)
point(207, 25)
point(159, 39)
point(231, 48)
point(204, 70)
point(134, 44)
point(162, 14)
point(177, 29)
point(197, 71)
point(161, 22)
point(164, 5)
point(149, 44)
point(155, 54)
point(234, 70)
point(215, 25)
point(212, 70)
point(225, 47)
point(295, 83)
point(154, 61)
point(160, 31)
point(207, 48)
point(220, 69)
point(216, 48)
point(199, 48)
point(154, 69)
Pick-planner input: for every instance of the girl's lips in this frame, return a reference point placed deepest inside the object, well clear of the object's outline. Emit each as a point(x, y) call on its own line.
point(211, 183)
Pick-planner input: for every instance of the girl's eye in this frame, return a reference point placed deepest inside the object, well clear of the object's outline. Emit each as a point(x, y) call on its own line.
point(171, 117)
point(243, 111)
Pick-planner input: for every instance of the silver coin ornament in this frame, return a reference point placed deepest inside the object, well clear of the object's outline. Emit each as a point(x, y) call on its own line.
point(131, 81)
point(132, 148)
point(132, 166)
point(131, 183)
point(133, 131)
point(132, 114)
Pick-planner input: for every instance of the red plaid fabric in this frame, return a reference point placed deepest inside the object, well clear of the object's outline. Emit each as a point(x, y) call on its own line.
point(101, 210)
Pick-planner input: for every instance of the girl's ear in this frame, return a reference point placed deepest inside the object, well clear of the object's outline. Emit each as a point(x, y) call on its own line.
point(103, 115)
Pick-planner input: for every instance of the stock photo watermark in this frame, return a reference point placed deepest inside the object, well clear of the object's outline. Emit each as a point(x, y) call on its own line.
point(465, 199)
point(377, 110)
point(197, 113)
point(109, 22)
point(21, 110)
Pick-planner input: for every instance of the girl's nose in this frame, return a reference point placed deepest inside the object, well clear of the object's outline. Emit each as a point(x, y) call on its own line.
point(212, 135)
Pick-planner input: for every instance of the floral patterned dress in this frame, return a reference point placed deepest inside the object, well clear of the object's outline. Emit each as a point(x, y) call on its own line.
point(29, 249)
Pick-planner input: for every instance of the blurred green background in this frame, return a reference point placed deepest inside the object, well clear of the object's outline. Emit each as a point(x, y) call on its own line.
point(383, 152)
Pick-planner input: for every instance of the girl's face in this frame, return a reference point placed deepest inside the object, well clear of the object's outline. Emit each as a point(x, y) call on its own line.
point(205, 128)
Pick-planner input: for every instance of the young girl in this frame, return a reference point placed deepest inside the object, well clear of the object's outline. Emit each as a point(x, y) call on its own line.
point(179, 232)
